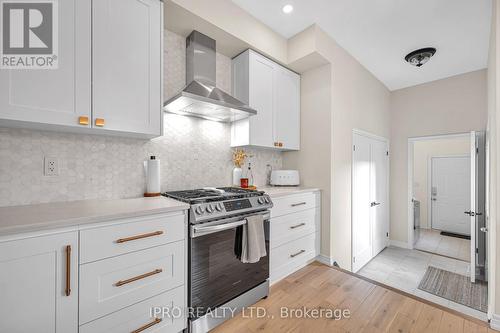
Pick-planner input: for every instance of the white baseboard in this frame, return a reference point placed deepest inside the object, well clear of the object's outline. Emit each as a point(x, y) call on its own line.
point(495, 322)
point(325, 260)
point(403, 245)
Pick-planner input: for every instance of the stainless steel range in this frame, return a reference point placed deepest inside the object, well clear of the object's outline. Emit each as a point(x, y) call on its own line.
point(219, 283)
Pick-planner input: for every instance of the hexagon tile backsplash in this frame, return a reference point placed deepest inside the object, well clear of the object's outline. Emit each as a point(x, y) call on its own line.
point(193, 153)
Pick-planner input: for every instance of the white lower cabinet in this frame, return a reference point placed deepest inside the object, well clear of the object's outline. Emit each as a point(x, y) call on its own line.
point(39, 284)
point(141, 264)
point(112, 284)
point(137, 318)
point(295, 226)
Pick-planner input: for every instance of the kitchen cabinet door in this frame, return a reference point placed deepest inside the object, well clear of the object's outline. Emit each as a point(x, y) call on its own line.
point(127, 66)
point(253, 77)
point(261, 97)
point(39, 284)
point(40, 97)
point(274, 92)
point(287, 109)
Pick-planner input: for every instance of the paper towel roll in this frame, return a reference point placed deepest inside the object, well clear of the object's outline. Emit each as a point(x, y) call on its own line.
point(152, 176)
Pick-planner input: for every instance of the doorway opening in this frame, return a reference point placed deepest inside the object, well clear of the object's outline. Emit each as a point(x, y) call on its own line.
point(446, 235)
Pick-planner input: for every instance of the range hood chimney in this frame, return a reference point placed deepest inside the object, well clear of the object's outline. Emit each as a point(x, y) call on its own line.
point(201, 98)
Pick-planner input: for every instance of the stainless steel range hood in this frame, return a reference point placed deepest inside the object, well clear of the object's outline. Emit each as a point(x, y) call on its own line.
point(201, 98)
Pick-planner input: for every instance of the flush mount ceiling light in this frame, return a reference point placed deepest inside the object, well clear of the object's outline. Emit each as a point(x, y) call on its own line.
point(419, 57)
point(287, 9)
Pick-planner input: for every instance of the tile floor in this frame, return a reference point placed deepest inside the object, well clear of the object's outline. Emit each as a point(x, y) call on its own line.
point(432, 241)
point(403, 269)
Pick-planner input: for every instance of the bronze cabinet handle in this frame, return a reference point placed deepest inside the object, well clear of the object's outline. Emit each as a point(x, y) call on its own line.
point(68, 270)
point(83, 120)
point(128, 239)
point(139, 277)
point(99, 122)
point(298, 225)
point(296, 254)
point(298, 204)
point(145, 327)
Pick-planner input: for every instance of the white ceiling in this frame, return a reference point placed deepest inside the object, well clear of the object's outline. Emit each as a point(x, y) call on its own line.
point(379, 33)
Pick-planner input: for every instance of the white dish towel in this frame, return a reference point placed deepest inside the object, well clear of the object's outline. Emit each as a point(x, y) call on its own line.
point(253, 243)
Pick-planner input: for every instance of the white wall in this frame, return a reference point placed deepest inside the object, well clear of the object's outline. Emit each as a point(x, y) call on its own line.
point(423, 151)
point(454, 105)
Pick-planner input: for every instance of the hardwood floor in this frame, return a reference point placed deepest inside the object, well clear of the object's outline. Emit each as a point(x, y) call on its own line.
point(373, 309)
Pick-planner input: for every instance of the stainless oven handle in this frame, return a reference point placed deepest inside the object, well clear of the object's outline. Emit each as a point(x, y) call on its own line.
point(221, 227)
point(200, 231)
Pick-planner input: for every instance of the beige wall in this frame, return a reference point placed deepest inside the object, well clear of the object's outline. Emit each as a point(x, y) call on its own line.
point(314, 158)
point(358, 100)
point(230, 24)
point(453, 105)
point(493, 152)
point(422, 152)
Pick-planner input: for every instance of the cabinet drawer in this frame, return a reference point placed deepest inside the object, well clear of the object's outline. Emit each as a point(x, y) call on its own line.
point(138, 234)
point(294, 203)
point(292, 254)
point(289, 227)
point(139, 315)
point(112, 284)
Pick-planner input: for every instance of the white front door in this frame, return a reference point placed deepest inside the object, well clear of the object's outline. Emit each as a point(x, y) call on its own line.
point(361, 226)
point(451, 193)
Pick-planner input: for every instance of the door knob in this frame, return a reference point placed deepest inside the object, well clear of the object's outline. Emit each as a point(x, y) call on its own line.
point(471, 213)
point(434, 199)
point(483, 229)
point(373, 204)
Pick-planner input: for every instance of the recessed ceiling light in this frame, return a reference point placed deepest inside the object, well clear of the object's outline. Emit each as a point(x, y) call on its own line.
point(287, 9)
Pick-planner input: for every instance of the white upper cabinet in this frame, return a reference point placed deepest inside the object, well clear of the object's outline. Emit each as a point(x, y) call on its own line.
point(109, 77)
point(39, 284)
point(127, 58)
point(54, 96)
point(287, 109)
point(274, 92)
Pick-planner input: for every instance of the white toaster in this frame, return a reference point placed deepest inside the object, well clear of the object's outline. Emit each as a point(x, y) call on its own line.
point(285, 177)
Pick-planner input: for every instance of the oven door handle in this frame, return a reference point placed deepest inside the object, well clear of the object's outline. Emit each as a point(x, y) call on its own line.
point(200, 231)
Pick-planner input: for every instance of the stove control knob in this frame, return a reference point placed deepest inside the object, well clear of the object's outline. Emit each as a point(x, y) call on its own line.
point(198, 210)
point(218, 207)
point(267, 200)
point(210, 209)
point(260, 200)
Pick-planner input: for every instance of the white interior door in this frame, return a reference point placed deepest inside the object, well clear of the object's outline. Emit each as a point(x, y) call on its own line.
point(362, 244)
point(471, 213)
point(450, 193)
point(379, 180)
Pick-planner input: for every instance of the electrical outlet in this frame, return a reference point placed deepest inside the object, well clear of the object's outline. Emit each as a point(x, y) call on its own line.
point(50, 166)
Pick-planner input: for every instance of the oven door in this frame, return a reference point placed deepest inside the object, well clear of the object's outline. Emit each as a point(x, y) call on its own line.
point(216, 275)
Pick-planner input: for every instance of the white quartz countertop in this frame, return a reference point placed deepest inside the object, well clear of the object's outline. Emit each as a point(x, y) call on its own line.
point(282, 191)
point(20, 219)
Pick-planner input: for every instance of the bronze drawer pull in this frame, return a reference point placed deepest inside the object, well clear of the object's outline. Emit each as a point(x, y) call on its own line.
point(128, 239)
point(296, 254)
point(145, 327)
point(139, 277)
point(298, 204)
point(297, 226)
point(68, 270)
